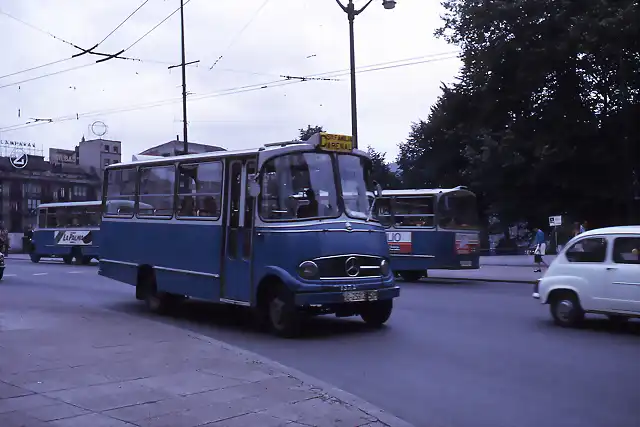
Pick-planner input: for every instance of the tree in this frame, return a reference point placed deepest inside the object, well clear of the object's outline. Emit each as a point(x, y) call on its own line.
point(380, 170)
point(307, 133)
point(541, 119)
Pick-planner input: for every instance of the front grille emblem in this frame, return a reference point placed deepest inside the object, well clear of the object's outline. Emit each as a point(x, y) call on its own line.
point(348, 226)
point(352, 267)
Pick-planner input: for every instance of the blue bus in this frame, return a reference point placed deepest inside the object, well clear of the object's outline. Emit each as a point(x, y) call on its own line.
point(67, 230)
point(430, 229)
point(267, 228)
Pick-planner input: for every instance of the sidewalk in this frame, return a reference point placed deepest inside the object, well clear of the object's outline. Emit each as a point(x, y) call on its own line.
point(513, 260)
point(65, 365)
point(490, 273)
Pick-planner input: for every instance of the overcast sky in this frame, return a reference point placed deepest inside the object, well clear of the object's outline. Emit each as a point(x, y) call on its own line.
point(286, 37)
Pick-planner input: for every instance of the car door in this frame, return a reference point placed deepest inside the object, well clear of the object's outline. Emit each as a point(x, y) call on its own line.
point(624, 274)
point(586, 267)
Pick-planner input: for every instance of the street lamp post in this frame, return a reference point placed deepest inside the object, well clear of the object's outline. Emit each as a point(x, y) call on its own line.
point(352, 12)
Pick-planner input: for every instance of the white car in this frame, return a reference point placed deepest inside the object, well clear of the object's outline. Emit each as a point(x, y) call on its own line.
point(597, 272)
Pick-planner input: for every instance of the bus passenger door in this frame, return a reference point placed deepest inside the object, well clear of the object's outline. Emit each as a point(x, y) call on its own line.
point(236, 278)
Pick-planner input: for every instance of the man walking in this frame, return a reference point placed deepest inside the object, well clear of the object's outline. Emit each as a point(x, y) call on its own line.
point(541, 248)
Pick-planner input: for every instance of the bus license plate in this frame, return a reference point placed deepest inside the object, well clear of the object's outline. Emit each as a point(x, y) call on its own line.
point(359, 296)
point(465, 263)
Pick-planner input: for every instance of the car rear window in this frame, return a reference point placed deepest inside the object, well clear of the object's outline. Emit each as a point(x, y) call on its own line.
point(626, 250)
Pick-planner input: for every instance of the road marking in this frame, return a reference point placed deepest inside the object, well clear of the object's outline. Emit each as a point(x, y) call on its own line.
point(10, 275)
point(75, 272)
point(40, 274)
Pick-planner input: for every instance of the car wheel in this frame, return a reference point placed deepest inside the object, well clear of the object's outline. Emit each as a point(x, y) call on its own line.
point(35, 258)
point(566, 310)
point(284, 318)
point(377, 313)
point(411, 276)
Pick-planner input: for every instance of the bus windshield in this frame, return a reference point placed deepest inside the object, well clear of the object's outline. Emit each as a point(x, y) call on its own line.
point(303, 186)
point(458, 210)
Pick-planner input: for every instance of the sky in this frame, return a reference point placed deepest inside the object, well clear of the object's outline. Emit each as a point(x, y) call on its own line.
point(240, 102)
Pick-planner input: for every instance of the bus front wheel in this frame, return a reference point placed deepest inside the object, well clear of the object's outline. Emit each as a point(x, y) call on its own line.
point(283, 316)
point(377, 313)
point(67, 259)
point(34, 258)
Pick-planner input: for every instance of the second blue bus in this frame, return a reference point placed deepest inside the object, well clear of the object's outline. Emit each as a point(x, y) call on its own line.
point(430, 229)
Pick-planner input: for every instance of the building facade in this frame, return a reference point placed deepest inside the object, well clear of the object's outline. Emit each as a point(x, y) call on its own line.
point(176, 148)
point(22, 190)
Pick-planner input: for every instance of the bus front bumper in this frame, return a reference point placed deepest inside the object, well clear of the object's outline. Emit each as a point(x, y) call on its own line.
point(346, 297)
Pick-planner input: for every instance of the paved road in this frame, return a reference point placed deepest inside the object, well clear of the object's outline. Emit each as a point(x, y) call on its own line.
point(455, 354)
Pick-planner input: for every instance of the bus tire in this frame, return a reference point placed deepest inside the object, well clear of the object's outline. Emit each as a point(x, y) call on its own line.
point(376, 313)
point(86, 260)
point(68, 259)
point(411, 275)
point(283, 317)
point(34, 258)
point(147, 288)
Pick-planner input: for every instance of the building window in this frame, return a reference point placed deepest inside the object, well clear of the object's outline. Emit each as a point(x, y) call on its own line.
point(32, 205)
point(79, 191)
point(115, 148)
point(106, 162)
point(31, 188)
point(106, 148)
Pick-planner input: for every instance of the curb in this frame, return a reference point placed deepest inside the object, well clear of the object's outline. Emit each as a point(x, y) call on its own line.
point(525, 282)
point(382, 416)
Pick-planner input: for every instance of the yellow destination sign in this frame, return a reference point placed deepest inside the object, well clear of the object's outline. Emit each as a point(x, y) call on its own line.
point(332, 142)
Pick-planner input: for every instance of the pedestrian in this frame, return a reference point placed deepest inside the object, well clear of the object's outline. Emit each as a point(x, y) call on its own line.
point(541, 248)
point(577, 229)
point(583, 227)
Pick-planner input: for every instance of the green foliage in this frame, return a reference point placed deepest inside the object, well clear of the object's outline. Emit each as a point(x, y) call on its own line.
point(307, 133)
point(544, 117)
point(380, 170)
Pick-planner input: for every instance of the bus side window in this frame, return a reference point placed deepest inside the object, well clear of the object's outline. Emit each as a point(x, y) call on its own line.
point(156, 190)
point(200, 191)
point(121, 192)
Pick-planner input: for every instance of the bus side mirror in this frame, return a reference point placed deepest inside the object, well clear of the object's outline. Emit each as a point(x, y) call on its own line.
point(377, 189)
point(254, 186)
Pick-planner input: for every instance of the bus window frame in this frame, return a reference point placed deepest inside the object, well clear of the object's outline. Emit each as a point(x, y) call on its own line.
point(172, 196)
point(421, 227)
point(176, 205)
point(334, 174)
point(391, 223)
point(105, 194)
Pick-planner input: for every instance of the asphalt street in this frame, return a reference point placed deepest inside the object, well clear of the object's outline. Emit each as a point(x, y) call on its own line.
point(455, 353)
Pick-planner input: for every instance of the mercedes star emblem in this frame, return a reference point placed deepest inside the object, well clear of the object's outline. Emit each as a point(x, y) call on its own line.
point(352, 267)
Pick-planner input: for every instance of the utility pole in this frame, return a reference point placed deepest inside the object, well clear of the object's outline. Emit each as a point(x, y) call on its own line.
point(183, 65)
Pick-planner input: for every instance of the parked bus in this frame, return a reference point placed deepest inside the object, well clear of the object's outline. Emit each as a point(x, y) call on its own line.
point(430, 229)
point(67, 230)
point(267, 228)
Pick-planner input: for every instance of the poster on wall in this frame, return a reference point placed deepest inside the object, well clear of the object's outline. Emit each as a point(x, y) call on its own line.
point(74, 237)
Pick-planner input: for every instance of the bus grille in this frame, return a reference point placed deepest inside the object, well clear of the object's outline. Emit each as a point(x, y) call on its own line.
point(336, 267)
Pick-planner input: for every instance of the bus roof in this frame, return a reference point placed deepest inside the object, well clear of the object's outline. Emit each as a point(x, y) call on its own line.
point(70, 204)
point(423, 191)
point(271, 150)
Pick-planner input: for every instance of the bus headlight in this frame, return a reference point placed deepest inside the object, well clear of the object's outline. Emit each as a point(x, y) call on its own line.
point(384, 267)
point(308, 270)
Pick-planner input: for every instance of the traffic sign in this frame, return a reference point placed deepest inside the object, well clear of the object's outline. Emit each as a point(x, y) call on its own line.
point(19, 158)
point(555, 221)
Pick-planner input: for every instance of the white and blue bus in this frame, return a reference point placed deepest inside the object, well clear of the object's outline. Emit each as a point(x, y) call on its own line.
point(430, 229)
point(267, 228)
point(67, 230)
